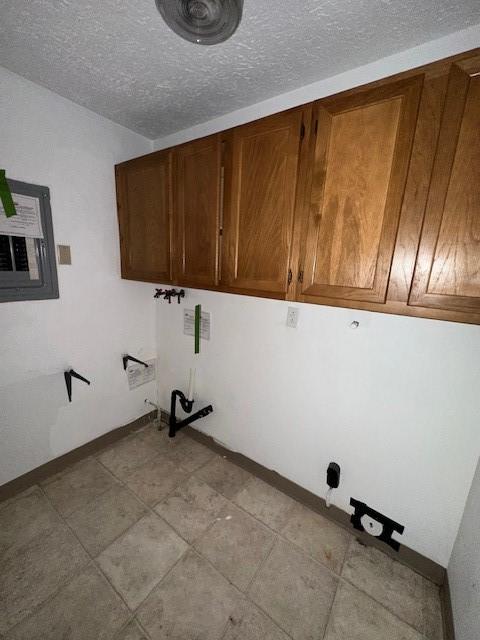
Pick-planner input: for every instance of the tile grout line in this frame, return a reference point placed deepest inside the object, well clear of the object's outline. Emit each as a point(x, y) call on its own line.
point(65, 582)
point(279, 535)
point(23, 494)
point(157, 584)
point(66, 472)
point(42, 604)
point(189, 474)
point(94, 562)
point(330, 613)
point(338, 576)
point(91, 562)
point(243, 595)
point(129, 622)
point(257, 572)
point(261, 564)
point(151, 509)
point(228, 453)
point(142, 628)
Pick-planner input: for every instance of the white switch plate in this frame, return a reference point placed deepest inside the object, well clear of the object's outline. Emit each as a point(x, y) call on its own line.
point(64, 254)
point(292, 317)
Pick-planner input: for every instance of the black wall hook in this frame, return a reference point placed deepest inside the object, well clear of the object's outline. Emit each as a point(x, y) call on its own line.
point(168, 294)
point(126, 358)
point(68, 381)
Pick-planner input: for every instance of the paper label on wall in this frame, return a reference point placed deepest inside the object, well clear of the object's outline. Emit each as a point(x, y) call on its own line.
point(32, 259)
point(189, 323)
point(137, 374)
point(27, 223)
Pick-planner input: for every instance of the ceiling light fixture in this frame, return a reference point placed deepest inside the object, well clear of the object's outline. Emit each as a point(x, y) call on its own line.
point(202, 21)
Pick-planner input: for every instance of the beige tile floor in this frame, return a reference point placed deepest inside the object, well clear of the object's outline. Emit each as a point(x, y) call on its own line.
point(162, 539)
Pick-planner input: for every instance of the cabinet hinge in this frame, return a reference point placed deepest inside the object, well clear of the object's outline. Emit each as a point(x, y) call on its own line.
point(290, 277)
point(300, 277)
point(302, 132)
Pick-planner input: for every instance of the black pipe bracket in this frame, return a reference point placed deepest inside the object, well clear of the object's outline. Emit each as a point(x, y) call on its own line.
point(126, 359)
point(68, 381)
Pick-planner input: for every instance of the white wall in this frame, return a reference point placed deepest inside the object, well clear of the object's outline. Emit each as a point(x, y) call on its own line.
point(464, 569)
point(396, 403)
point(47, 140)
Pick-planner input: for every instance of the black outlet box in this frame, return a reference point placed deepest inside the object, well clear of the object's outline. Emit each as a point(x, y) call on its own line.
point(333, 475)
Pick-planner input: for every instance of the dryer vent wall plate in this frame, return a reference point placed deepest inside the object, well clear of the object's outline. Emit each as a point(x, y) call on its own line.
point(374, 523)
point(202, 21)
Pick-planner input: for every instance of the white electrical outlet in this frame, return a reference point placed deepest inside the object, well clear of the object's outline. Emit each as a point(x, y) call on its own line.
point(292, 317)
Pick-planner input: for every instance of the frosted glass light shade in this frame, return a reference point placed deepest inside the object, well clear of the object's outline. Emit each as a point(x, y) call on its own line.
point(202, 21)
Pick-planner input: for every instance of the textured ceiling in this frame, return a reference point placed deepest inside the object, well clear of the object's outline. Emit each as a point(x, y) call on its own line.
point(118, 58)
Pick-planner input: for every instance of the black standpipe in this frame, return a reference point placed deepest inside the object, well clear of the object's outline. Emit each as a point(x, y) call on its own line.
point(187, 405)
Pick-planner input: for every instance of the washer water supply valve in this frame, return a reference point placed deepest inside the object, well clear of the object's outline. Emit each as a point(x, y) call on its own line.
point(333, 480)
point(168, 294)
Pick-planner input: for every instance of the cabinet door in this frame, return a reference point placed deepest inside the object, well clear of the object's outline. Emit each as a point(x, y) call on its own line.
point(196, 212)
point(144, 196)
point(260, 190)
point(447, 273)
point(360, 162)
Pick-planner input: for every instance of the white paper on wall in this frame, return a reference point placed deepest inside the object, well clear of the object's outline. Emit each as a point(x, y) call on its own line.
point(32, 259)
point(27, 223)
point(189, 324)
point(137, 374)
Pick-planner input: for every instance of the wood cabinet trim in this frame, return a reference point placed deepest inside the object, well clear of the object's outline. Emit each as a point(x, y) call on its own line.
point(417, 188)
point(394, 307)
point(460, 84)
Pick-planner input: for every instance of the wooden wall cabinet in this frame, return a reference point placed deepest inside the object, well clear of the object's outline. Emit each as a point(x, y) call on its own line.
point(144, 200)
point(261, 171)
point(359, 167)
point(369, 200)
point(197, 202)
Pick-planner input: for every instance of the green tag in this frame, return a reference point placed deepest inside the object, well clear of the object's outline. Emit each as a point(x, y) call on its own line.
point(6, 196)
point(198, 317)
